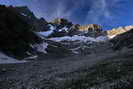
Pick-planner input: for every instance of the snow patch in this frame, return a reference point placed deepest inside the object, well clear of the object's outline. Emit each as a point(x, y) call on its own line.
point(101, 38)
point(79, 38)
point(64, 28)
point(4, 59)
point(74, 50)
point(112, 36)
point(52, 27)
point(23, 14)
point(47, 33)
point(31, 57)
point(41, 47)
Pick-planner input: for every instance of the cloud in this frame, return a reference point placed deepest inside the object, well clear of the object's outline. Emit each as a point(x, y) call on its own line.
point(79, 11)
point(61, 11)
point(64, 9)
point(99, 11)
point(102, 12)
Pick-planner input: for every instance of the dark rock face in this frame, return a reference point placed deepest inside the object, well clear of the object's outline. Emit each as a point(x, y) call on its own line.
point(15, 33)
point(123, 40)
point(91, 27)
point(38, 24)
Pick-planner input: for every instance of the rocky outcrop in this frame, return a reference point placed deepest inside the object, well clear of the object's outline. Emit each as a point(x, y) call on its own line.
point(56, 49)
point(92, 30)
point(40, 25)
point(61, 22)
point(91, 27)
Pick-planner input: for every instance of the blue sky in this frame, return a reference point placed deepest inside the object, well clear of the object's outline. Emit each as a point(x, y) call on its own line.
point(108, 13)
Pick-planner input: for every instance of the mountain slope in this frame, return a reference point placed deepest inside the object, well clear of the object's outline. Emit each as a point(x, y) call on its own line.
point(123, 40)
point(15, 33)
point(98, 71)
point(19, 38)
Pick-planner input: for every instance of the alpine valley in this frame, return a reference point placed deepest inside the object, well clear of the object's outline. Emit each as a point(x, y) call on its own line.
point(37, 54)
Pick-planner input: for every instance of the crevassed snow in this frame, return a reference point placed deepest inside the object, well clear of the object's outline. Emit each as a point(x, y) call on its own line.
point(73, 38)
point(79, 38)
point(4, 59)
point(41, 47)
point(47, 33)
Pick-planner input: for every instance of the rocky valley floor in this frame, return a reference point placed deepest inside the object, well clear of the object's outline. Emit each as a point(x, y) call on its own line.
point(106, 70)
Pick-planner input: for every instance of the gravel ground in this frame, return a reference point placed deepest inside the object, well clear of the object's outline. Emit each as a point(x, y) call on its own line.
point(59, 73)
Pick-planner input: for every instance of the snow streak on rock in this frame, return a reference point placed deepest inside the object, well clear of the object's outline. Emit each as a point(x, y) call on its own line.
point(41, 47)
point(4, 59)
point(47, 33)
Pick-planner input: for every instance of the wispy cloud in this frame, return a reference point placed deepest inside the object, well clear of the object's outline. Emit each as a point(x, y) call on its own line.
point(99, 10)
point(80, 11)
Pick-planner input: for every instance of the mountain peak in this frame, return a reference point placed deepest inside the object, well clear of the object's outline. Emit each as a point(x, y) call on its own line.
point(118, 31)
